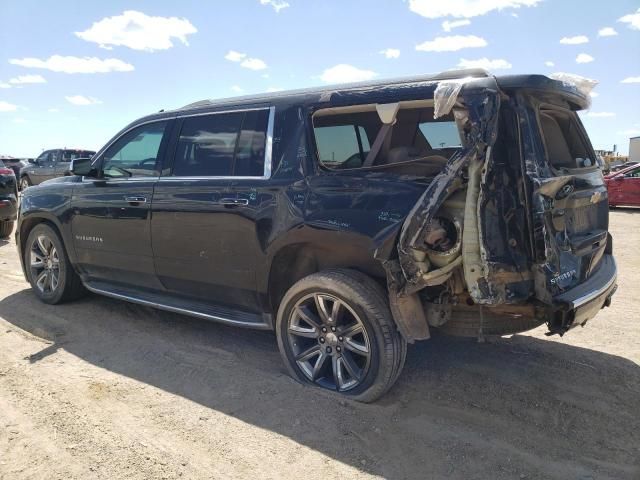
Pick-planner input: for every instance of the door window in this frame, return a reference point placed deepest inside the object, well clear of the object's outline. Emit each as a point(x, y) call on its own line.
point(441, 134)
point(222, 145)
point(635, 173)
point(44, 159)
point(135, 154)
point(342, 146)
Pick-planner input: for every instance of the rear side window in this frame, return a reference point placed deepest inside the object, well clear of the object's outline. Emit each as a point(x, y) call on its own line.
point(342, 146)
point(564, 142)
point(441, 134)
point(223, 144)
point(68, 155)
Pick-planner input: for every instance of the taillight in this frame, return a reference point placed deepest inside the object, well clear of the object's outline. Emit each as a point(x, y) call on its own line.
point(6, 171)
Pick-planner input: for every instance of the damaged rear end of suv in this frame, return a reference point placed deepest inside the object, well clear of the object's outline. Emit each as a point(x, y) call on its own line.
point(513, 232)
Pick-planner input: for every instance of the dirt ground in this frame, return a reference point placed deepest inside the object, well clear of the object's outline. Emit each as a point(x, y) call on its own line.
point(104, 389)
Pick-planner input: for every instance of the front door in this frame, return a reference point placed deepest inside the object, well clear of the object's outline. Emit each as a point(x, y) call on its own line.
point(200, 227)
point(630, 188)
point(112, 214)
point(43, 167)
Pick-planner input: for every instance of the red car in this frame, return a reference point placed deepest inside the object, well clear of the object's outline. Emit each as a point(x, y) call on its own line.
point(624, 186)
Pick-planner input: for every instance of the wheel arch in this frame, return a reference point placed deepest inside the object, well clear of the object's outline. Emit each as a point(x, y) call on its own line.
point(295, 261)
point(28, 223)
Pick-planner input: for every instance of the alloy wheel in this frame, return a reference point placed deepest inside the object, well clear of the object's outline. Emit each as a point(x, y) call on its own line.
point(329, 342)
point(45, 264)
point(24, 183)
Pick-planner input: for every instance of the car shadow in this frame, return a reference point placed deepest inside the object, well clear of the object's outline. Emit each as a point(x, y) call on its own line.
point(461, 409)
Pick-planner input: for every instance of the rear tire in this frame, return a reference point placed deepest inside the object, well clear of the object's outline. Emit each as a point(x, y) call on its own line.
point(335, 331)
point(48, 268)
point(6, 227)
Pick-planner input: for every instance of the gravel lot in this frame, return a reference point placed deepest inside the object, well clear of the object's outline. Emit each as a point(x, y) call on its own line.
point(104, 389)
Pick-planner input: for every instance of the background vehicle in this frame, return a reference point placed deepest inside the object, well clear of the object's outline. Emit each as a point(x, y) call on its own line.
point(351, 220)
point(624, 186)
point(50, 164)
point(15, 164)
point(8, 200)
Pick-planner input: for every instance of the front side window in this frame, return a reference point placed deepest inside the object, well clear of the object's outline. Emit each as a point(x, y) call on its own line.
point(135, 154)
point(222, 145)
point(635, 173)
point(44, 158)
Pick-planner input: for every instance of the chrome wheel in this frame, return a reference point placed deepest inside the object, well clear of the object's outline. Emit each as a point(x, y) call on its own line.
point(24, 183)
point(44, 264)
point(329, 342)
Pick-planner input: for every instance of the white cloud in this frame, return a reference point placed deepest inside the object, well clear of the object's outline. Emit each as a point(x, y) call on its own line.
point(390, 52)
point(584, 58)
point(253, 64)
point(600, 114)
point(234, 56)
point(631, 80)
point(4, 85)
point(250, 63)
point(53, 110)
point(276, 4)
point(447, 26)
point(549, 63)
point(633, 19)
point(237, 89)
point(594, 94)
point(7, 107)
point(58, 63)
point(343, 73)
point(497, 64)
point(452, 43)
point(464, 8)
point(577, 40)
point(82, 100)
point(22, 79)
point(607, 32)
point(138, 31)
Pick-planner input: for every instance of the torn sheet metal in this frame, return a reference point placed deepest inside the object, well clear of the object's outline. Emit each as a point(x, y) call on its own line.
point(446, 94)
point(583, 85)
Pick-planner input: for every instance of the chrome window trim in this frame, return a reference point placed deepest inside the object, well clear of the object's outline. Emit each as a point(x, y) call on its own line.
point(268, 150)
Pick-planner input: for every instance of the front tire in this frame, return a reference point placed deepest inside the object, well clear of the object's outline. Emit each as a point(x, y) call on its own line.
point(25, 183)
point(335, 331)
point(6, 227)
point(48, 268)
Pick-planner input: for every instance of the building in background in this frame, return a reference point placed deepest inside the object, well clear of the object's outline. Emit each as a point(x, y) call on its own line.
point(634, 149)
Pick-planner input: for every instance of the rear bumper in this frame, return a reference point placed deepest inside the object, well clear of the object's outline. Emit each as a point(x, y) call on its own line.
point(8, 208)
point(582, 303)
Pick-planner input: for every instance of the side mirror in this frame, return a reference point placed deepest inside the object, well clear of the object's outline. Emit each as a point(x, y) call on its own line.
point(82, 167)
point(31, 160)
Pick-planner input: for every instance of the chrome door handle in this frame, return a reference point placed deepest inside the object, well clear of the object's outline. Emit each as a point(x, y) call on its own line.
point(234, 201)
point(136, 199)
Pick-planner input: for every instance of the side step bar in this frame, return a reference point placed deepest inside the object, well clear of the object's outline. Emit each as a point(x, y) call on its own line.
point(189, 307)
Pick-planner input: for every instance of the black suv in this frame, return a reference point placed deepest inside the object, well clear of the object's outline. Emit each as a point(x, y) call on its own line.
point(8, 200)
point(50, 164)
point(351, 220)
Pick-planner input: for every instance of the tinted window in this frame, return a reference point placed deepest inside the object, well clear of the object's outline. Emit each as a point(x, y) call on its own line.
point(441, 134)
point(223, 144)
point(44, 158)
point(342, 146)
point(68, 155)
point(249, 159)
point(565, 145)
point(135, 153)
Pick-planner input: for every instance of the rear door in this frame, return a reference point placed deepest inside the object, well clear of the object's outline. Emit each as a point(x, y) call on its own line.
point(569, 207)
point(204, 224)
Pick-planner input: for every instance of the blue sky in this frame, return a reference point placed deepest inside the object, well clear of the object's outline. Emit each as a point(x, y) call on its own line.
point(72, 73)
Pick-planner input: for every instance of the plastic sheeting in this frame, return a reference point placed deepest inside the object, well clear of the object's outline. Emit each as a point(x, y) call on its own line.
point(446, 94)
point(584, 85)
